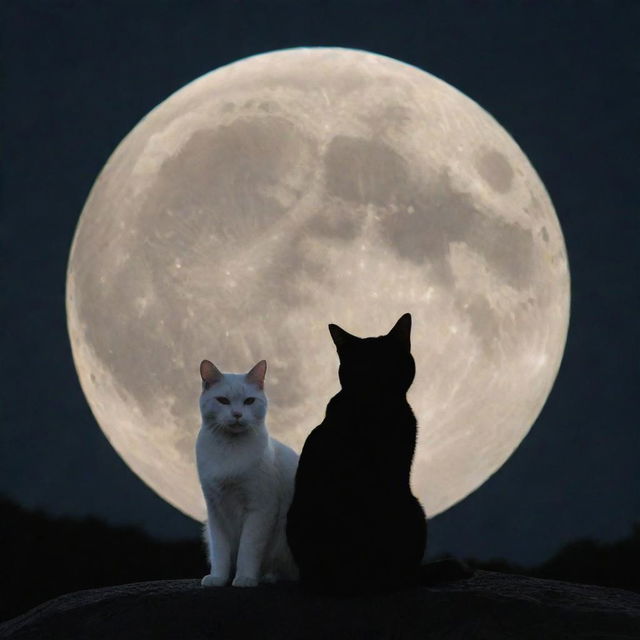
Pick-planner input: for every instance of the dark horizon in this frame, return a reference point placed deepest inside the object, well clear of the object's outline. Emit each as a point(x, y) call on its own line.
point(562, 80)
point(87, 553)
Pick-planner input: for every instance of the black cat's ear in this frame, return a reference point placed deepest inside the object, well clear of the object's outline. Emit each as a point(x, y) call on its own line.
point(339, 336)
point(209, 373)
point(402, 331)
point(257, 374)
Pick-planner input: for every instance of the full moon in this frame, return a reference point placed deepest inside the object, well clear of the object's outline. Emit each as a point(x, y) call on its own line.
point(303, 187)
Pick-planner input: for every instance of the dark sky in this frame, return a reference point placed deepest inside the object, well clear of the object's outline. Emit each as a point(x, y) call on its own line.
point(562, 77)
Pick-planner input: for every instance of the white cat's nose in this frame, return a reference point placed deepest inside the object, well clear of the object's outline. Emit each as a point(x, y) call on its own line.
point(237, 414)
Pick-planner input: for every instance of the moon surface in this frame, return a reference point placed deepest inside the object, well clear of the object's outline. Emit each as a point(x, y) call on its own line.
point(304, 187)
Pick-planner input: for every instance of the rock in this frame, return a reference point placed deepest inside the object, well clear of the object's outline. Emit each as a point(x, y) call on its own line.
point(489, 605)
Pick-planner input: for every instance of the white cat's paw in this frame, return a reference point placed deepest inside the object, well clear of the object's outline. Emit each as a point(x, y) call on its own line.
point(244, 581)
point(213, 581)
point(270, 578)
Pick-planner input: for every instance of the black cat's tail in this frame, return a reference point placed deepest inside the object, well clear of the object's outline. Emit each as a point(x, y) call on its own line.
point(445, 570)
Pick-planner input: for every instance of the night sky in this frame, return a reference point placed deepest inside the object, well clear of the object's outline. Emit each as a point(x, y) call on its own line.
point(561, 77)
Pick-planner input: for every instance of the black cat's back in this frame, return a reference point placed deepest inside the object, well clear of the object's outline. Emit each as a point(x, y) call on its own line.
point(354, 525)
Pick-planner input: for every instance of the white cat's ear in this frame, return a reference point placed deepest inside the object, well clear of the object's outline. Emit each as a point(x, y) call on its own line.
point(402, 331)
point(339, 336)
point(257, 374)
point(209, 373)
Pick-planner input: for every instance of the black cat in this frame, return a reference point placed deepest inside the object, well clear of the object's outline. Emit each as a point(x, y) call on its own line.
point(354, 526)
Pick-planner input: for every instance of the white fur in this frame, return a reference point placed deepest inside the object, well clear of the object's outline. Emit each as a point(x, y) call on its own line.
point(247, 479)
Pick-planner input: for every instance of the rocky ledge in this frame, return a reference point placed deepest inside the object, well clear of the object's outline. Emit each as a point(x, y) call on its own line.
point(488, 605)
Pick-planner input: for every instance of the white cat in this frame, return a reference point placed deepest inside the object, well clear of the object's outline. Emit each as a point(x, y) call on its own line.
point(247, 479)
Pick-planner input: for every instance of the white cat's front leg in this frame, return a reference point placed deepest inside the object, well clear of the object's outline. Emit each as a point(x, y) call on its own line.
point(256, 532)
point(219, 552)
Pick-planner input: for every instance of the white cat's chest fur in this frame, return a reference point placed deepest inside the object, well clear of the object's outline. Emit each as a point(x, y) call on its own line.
point(237, 473)
point(247, 481)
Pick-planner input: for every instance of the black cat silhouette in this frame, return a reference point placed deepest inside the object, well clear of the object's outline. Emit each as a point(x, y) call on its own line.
point(354, 526)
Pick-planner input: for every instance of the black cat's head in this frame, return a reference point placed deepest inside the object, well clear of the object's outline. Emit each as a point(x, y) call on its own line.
point(376, 364)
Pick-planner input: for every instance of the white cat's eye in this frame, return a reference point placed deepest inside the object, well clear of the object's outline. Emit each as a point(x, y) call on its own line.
point(249, 400)
point(223, 400)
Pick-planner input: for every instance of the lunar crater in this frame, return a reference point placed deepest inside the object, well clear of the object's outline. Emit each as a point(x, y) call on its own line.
point(445, 216)
point(238, 167)
point(364, 171)
point(495, 169)
point(336, 223)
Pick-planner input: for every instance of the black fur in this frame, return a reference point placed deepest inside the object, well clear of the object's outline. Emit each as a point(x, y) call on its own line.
point(354, 526)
